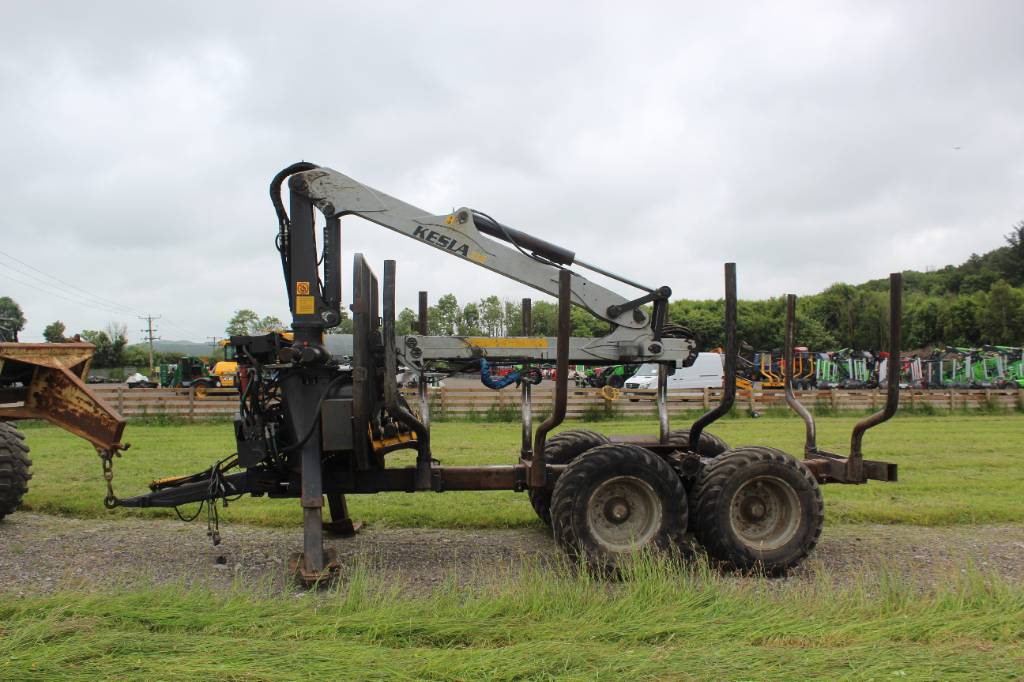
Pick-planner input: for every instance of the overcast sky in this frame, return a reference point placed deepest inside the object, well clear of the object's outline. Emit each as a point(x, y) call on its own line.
point(809, 142)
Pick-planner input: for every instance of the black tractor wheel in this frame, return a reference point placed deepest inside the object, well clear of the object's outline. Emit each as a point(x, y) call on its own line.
point(562, 448)
point(14, 468)
point(709, 445)
point(616, 381)
point(757, 508)
point(618, 500)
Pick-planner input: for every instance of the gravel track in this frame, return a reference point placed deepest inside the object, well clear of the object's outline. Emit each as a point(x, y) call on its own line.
point(40, 553)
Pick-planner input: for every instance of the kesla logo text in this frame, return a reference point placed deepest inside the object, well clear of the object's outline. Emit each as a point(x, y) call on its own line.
point(441, 241)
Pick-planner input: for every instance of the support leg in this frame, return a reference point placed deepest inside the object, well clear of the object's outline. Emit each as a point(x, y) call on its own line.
point(312, 512)
point(340, 525)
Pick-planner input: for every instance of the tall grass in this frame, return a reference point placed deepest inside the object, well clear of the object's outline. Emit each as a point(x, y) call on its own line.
point(660, 622)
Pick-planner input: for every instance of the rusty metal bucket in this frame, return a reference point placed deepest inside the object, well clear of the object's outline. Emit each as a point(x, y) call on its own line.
point(47, 381)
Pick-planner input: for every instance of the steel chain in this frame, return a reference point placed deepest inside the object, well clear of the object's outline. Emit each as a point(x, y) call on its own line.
point(107, 457)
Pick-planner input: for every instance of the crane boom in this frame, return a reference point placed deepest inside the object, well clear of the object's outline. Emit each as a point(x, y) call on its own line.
point(470, 236)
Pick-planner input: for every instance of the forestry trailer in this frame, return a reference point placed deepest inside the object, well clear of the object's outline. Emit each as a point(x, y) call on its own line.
point(312, 426)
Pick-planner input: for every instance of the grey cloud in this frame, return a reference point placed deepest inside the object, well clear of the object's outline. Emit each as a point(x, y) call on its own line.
point(809, 142)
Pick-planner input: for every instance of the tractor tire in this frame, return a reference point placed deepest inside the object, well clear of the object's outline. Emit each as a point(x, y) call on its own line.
point(709, 445)
point(562, 448)
point(201, 388)
point(14, 468)
point(757, 509)
point(616, 501)
point(616, 381)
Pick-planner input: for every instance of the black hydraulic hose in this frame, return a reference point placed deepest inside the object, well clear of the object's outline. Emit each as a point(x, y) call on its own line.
point(284, 225)
point(275, 187)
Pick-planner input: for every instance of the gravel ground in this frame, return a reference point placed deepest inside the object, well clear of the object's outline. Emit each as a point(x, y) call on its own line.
point(40, 553)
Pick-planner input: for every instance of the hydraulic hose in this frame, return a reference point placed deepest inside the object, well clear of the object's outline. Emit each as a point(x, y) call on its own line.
point(284, 224)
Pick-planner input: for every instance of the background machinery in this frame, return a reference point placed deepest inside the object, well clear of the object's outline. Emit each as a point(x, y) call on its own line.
point(314, 427)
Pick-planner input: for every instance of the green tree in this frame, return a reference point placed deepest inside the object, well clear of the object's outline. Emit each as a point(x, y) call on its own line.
point(960, 322)
point(242, 322)
point(545, 318)
point(1013, 270)
point(247, 322)
point(110, 345)
point(137, 355)
point(408, 322)
point(811, 333)
point(513, 318)
point(982, 280)
point(268, 324)
point(469, 321)
point(999, 317)
point(584, 323)
point(492, 316)
point(705, 319)
point(54, 332)
point(118, 335)
point(922, 324)
point(101, 355)
point(837, 310)
point(444, 317)
point(12, 319)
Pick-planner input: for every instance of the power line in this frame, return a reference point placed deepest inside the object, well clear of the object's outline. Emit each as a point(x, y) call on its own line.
point(70, 292)
point(187, 330)
point(87, 304)
point(98, 298)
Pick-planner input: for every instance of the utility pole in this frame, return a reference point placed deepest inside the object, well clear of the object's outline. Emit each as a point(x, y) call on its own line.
point(149, 331)
point(213, 340)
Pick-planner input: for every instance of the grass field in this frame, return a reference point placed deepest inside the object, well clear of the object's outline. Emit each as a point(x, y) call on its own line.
point(953, 470)
point(662, 621)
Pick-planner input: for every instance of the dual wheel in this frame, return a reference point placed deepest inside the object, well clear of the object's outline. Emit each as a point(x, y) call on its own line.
point(752, 508)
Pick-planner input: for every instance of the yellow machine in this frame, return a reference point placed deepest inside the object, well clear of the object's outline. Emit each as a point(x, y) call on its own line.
point(770, 377)
point(803, 368)
point(226, 370)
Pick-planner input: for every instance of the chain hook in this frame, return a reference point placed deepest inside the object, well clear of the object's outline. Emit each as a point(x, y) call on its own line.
point(107, 459)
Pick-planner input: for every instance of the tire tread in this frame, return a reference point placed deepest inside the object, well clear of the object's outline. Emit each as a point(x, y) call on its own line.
point(706, 499)
point(562, 448)
point(15, 468)
point(578, 475)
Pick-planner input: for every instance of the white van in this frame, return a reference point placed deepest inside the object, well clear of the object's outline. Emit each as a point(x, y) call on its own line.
point(706, 372)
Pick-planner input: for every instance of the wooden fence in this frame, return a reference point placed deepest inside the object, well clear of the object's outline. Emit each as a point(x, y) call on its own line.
point(481, 402)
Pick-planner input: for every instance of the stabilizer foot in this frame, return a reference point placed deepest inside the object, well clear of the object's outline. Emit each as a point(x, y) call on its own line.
point(296, 566)
point(344, 528)
point(340, 525)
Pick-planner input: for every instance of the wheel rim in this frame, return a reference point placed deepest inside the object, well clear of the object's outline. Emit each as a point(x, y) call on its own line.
point(623, 513)
point(765, 513)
